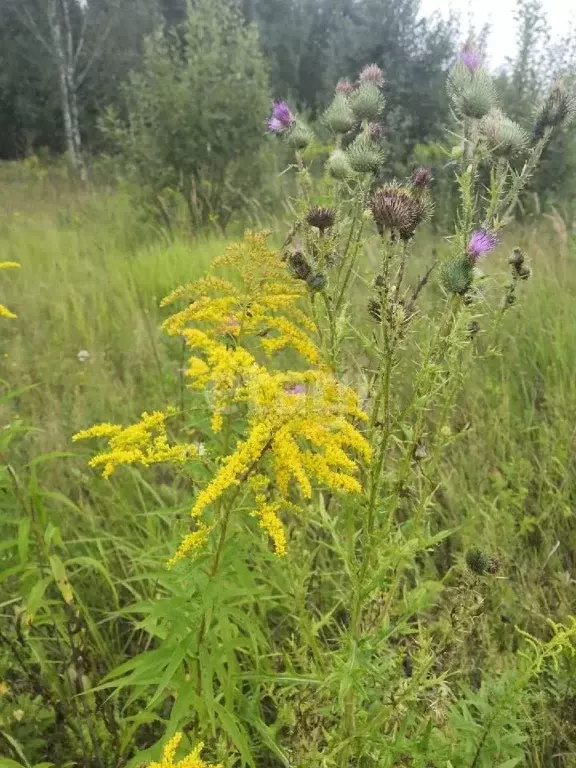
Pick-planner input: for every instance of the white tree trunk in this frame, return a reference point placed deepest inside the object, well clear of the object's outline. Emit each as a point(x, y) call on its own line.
point(59, 55)
point(72, 86)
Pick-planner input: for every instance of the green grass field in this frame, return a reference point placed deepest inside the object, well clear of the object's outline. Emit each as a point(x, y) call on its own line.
point(91, 279)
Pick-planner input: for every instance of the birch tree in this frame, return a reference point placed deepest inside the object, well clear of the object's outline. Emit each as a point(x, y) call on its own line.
point(74, 33)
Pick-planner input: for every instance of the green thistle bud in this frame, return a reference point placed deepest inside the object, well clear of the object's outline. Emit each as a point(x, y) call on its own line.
point(316, 282)
point(517, 259)
point(473, 328)
point(367, 102)
point(339, 116)
point(299, 265)
point(477, 561)
point(524, 273)
point(472, 93)
point(495, 564)
point(364, 155)
point(520, 270)
point(559, 109)
point(375, 310)
point(338, 165)
point(456, 275)
point(503, 136)
point(299, 136)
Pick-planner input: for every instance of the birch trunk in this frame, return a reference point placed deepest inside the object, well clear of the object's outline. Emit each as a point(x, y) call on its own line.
point(71, 82)
point(59, 55)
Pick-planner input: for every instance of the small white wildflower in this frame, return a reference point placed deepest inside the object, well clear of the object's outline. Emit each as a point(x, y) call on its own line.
point(83, 356)
point(18, 714)
point(201, 448)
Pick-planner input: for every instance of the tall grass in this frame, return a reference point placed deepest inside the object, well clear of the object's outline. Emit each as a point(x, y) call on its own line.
point(91, 279)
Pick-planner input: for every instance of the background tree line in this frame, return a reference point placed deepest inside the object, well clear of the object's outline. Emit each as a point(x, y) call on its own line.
point(67, 66)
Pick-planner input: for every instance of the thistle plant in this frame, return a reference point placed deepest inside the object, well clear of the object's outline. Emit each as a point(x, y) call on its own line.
point(304, 352)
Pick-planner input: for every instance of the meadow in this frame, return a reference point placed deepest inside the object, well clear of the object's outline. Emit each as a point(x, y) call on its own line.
point(100, 657)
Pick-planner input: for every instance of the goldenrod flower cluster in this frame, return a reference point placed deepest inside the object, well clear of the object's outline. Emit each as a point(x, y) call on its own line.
point(193, 760)
point(263, 305)
point(4, 311)
point(300, 424)
point(143, 443)
point(299, 427)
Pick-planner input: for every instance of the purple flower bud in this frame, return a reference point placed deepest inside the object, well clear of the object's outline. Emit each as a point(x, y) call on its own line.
point(375, 131)
point(482, 241)
point(469, 57)
point(344, 86)
point(421, 177)
point(373, 75)
point(282, 118)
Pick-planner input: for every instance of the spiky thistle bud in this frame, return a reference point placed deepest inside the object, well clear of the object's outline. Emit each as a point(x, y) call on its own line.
point(472, 93)
point(299, 136)
point(338, 165)
point(364, 155)
point(367, 102)
point(299, 265)
point(520, 270)
point(477, 561)
point(495, 564)
point(339, 116)
point(375, 131)
point(372, 75)
point(344, 86)
point(503, 137)
point(316, 282)
point(456, 275)
point(321, 218)
point(473, 328)
point(558, 109)
point(517, 259)
point(421, 178)
point(375, 310)
point(398, 210)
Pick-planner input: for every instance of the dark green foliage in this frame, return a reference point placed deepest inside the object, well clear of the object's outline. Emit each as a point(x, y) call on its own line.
point(196, 116)
point(478, 561)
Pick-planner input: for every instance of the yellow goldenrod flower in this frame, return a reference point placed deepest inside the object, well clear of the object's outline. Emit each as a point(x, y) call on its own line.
point(264, 303)
point(193, 760)
point(298, 428)
point(271, 523)
point(4, 311)
point(236, 467)
point(191, 544)
point(145, 442)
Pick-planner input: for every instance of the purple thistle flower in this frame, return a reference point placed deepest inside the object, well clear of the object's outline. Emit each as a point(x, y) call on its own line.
point(344, 86)
point(282, 118)
point(481, 242)
point(372, 75)
point(469, 57)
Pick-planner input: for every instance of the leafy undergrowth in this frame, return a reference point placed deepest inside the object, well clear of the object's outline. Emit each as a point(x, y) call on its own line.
point(469, 663)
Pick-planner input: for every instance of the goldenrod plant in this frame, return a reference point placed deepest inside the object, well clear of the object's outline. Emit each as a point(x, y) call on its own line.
point(4, 311)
